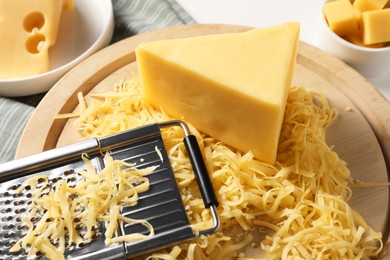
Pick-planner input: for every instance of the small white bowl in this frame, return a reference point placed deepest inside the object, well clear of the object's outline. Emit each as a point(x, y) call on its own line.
point(370, 62)
point(83, 31)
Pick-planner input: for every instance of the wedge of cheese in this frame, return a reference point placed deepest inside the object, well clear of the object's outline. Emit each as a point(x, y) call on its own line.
point(231, 86)
point(27, 29)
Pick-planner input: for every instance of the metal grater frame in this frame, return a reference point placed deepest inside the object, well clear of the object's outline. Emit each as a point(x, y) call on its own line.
point(161, 205)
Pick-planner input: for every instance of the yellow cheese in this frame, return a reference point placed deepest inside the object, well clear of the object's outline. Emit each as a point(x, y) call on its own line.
point(359, 19)
point(340, 16)
point(357, 39)
point(376, 26)
point(231, 86)
point(366, 5)
point(27, 29)
point(68, 5)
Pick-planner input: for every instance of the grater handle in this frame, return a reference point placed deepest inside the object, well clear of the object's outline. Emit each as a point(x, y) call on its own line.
point(199, 167)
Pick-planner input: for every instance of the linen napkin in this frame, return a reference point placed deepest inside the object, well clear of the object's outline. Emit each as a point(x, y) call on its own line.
point(131, 17)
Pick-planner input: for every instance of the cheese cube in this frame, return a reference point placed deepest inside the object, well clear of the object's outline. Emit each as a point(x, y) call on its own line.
point(341, 17)
point(233, 87)
point(359, 18)
point(27, 29)
point(376, 26)
point(357, 39)
point(367, 5)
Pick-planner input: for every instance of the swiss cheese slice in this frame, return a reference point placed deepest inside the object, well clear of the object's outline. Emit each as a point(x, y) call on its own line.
point(27, 29)
point(233, 87)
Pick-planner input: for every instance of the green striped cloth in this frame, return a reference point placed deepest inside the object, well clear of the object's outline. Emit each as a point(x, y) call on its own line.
point(131, 17)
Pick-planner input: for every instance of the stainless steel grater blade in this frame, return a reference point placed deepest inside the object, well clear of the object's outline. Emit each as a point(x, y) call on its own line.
point(161, 205)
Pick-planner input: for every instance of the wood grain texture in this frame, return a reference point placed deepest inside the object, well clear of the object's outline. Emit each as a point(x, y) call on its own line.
point(361, 134)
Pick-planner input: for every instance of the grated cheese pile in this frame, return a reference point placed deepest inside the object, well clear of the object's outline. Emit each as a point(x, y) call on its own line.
point(70, 214)
point(295, 209)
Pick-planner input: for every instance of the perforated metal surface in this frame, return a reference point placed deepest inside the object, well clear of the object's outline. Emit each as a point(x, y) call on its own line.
point(14, 201)
point(161, 205)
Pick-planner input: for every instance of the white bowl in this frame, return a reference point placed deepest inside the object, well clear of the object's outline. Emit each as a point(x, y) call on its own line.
point(370, 62)
point(83, 31)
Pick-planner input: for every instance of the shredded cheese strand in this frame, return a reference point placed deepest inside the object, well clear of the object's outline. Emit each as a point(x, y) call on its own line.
point(72, 212)
point(299, 205)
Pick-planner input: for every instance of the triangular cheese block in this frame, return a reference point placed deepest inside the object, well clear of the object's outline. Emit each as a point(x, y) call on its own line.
point(233, 87)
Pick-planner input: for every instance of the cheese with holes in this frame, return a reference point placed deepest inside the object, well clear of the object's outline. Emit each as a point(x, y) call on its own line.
point(231, 86)
point(27, 30)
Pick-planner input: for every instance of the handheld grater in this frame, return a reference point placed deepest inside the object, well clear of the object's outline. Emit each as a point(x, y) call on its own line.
point(161, 205)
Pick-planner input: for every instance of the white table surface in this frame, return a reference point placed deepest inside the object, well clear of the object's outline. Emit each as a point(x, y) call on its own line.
point(262, 13)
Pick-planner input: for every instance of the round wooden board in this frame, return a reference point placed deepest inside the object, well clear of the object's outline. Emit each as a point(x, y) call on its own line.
point(361, 134)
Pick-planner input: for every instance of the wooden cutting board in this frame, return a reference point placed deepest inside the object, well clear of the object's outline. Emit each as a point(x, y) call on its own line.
point(361, 135)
